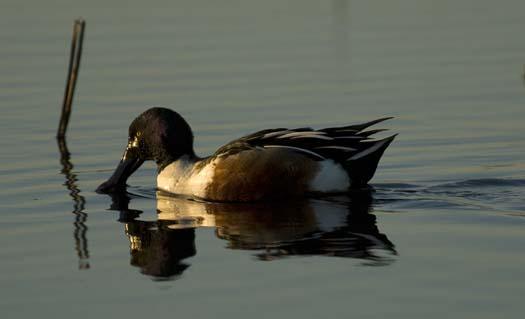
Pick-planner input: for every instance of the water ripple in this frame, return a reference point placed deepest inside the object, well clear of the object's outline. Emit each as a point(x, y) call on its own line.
point(493, 194)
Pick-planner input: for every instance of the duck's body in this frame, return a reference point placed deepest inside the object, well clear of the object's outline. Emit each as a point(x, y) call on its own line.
point(252, 175)
point(269, 164)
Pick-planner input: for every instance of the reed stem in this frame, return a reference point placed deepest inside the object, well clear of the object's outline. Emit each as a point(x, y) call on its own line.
point(72, 75)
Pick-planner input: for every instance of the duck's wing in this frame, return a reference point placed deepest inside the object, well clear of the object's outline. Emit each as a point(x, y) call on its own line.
point(344, 143)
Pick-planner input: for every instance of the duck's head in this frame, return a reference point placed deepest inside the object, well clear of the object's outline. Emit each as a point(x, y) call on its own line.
point(158, 134)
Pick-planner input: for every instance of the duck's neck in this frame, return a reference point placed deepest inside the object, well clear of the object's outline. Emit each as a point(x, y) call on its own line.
point(183, 161)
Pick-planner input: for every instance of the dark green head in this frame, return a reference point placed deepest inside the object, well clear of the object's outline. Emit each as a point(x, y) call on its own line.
point(158, 134)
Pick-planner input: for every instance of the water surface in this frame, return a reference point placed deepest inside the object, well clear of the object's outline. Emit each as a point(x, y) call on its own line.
point(442, 234)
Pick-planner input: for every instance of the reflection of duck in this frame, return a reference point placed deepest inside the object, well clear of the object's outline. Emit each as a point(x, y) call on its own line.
point(155, 248)
point(314, 227)
point(269, 164)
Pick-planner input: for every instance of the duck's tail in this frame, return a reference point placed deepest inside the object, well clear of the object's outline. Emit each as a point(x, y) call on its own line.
point(362, 166)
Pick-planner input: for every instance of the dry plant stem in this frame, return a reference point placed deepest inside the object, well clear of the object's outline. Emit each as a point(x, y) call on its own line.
point(80, 227)
point(74, 65)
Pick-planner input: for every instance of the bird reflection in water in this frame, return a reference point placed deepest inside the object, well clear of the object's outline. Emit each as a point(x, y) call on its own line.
point(342, 228)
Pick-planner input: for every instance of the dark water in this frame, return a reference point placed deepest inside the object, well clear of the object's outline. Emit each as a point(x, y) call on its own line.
point(441, 235)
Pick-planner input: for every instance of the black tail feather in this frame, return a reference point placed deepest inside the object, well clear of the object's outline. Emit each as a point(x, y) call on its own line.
point(362, 166)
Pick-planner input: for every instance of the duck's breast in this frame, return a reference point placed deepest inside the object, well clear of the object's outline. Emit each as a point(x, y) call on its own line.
point(186, 178)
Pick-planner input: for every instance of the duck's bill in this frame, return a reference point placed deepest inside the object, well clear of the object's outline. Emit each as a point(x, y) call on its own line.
point(117, 181)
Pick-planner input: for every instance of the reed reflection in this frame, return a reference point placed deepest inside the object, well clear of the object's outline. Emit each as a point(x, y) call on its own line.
point(307, 227)
point(79, 225)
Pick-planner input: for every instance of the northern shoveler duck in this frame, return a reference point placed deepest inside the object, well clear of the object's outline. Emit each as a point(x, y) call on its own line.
point(269, 164)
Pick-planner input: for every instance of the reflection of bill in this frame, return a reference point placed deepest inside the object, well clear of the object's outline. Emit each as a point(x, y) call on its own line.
point(274, 230)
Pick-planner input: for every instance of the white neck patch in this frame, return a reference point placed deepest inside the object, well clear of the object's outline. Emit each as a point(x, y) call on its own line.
point(181, 177)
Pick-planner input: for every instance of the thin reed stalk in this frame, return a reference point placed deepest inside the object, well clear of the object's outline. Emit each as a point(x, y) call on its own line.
point(74, 65)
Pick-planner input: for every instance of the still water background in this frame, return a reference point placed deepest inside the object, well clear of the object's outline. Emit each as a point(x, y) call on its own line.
point(447, 234)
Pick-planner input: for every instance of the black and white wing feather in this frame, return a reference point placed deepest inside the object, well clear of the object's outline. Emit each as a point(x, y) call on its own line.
point(340, 144)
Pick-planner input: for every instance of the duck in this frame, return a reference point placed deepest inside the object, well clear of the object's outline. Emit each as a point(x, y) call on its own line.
point(270, 164)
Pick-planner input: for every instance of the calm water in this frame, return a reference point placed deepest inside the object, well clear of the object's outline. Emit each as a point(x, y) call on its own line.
point(443, 235)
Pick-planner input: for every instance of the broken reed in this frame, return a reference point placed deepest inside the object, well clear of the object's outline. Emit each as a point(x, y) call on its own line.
point(74, 65)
